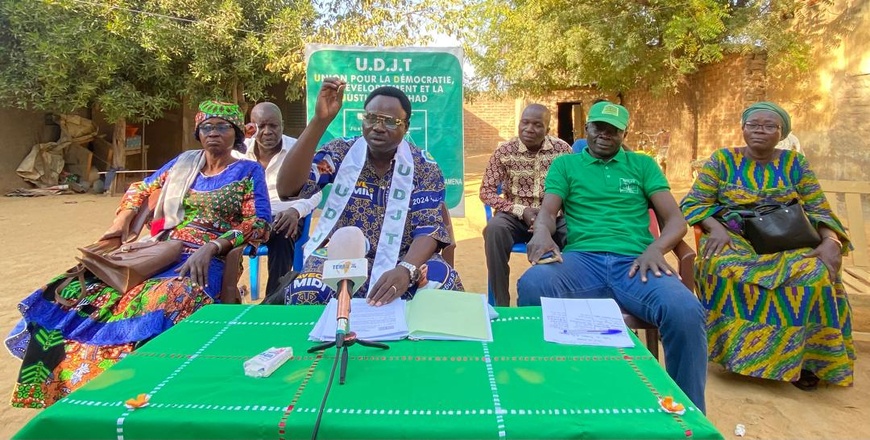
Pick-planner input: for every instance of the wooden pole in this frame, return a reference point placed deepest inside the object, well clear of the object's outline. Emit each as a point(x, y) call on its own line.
point(119, 144)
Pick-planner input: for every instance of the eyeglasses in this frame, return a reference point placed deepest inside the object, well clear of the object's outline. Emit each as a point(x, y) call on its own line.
point(769, 129)
point(390, 123)
point(221, 128)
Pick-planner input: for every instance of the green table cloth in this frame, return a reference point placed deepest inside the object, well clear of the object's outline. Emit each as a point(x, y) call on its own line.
point(518, 386)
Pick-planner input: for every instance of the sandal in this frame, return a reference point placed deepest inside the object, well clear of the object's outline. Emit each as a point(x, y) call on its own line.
point(808, 381)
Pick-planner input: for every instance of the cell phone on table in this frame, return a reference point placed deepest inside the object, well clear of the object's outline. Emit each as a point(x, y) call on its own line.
point(549, 257)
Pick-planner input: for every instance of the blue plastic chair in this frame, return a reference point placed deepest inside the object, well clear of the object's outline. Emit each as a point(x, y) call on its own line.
point(262, 250)
point(518, 248)
point(579, 145)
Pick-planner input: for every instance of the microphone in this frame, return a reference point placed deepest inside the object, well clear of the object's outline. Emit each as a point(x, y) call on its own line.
point(345, 270)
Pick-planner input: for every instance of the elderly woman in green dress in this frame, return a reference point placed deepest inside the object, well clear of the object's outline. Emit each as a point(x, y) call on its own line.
point(782, 316)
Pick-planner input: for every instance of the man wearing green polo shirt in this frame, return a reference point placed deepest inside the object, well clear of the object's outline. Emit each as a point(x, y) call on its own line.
point(605, 193)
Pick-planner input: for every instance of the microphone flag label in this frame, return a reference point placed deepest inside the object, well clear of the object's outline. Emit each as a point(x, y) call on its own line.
point(351, 269)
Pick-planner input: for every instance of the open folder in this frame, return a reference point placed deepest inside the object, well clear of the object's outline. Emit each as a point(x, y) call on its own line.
point(432, 314)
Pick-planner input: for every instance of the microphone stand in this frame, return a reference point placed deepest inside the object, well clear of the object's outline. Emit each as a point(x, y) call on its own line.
point(341, 343)
point(343, 338)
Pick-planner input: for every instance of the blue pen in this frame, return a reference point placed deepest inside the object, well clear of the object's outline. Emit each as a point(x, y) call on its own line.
point(606, 331)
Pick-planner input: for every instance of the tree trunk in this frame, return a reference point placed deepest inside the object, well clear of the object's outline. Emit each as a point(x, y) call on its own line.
point(119, 144)
point(188, 124)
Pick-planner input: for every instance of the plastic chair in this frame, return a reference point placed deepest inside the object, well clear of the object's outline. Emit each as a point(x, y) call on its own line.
point(686, 268)
point(518, 248)
point(263, 250)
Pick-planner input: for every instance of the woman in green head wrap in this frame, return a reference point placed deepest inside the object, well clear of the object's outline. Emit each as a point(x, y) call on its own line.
point(785, 315)
point(770, 108)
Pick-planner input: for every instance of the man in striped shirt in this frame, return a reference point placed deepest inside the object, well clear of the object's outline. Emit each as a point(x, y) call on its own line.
point(518, 167)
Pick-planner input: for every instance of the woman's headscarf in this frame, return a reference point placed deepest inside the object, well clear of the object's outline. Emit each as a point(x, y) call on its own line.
point(770, 107)
point(226, 111)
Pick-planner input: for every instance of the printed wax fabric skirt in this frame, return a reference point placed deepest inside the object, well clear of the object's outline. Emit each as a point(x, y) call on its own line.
point(772, 315)
point(62, 348)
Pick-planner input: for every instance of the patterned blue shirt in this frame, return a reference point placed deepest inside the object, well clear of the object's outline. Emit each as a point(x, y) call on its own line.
point(368, 203)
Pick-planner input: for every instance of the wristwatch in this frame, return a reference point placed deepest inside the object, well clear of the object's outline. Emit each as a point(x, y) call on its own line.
point(412, 270)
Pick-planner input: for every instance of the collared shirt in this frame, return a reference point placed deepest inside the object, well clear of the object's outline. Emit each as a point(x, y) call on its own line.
point(521, 174)
point(304, 206)
point(790, 142)
point(606, 202)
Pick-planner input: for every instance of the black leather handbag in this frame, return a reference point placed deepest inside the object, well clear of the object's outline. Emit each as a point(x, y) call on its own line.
point(776, 228)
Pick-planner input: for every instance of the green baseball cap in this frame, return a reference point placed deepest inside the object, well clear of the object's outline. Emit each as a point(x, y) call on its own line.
point(613, 114)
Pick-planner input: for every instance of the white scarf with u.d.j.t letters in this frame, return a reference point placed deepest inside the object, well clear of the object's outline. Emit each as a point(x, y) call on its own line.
point(398, 205)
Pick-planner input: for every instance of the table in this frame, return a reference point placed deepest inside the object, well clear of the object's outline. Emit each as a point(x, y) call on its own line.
point(135, 150)
point(112, 177)
point(518, 386)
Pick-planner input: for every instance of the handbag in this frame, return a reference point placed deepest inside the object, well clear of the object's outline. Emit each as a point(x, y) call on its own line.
point(131, 264)
point(781, 227)
point(78, 272)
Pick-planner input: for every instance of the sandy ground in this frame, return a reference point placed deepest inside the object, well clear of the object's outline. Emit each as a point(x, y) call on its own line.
point(41, 236)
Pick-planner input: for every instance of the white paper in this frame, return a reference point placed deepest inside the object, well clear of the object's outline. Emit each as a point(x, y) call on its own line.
point(490, 310)
point(384, 323)
point(584, 322)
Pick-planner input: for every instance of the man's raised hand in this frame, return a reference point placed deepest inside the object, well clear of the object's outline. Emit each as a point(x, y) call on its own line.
point(330, 98)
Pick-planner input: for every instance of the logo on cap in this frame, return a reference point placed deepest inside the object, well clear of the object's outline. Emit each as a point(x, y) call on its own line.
point(610, 110)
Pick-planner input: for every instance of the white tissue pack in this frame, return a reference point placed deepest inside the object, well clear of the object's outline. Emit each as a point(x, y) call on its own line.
point(265, 363)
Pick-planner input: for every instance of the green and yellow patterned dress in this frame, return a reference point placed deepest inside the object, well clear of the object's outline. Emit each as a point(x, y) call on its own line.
point(770, 315)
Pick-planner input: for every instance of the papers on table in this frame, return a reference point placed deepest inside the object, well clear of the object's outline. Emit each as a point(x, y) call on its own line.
point(584, 322)
point(448, 315)
point(432, 314)
point(384, 323)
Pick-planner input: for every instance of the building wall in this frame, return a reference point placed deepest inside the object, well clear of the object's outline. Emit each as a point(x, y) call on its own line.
point(488, 121)
point(702, 114)
point(580, 97)
point(723, 91)
point(668, 121)
point(20, 130)
point(164, 136)
point(830, 107)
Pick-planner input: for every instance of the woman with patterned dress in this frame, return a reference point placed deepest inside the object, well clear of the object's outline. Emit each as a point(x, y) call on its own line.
point(209, 201)
point(782, 316)
point(391, 190)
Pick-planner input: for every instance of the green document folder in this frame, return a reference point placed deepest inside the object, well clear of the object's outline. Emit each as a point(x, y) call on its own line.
point(448, 315)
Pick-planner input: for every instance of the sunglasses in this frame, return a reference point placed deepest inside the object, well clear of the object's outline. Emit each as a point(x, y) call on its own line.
point(390, 123)
point(221, 128)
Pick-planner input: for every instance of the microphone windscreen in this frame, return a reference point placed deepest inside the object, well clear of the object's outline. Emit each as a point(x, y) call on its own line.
point(346, 243)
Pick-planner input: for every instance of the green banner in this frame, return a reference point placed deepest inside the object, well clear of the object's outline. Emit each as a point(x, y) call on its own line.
point(432, 79)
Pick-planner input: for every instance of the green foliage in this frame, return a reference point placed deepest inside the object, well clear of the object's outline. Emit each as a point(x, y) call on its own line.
point(536, 46)
point(55, 56)
point(381, 23)
point(136, 58)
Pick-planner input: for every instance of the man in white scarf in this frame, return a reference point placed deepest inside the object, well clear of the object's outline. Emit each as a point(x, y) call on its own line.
point(391, 190)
